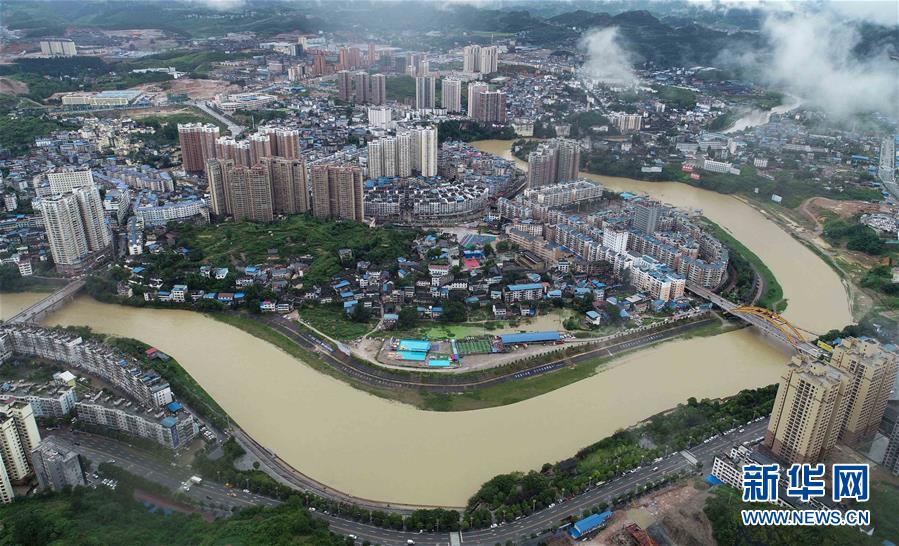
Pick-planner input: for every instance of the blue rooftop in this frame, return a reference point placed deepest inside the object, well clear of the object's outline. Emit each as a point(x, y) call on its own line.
point(529, 286)
point(174, 406)
point(530, 337)
point(589, 524)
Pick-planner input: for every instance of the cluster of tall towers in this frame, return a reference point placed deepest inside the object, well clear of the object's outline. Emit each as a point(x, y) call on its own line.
point(480, 59)
point(74, 219)
point(409, 151)
point(201, 142)
point(362, 88)
point(553, 161)
point(819, 403)
point(279, 185)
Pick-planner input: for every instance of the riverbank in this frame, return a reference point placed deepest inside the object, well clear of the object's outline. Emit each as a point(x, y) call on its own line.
point(473, 390)
point(772, 293)
point(359, 443)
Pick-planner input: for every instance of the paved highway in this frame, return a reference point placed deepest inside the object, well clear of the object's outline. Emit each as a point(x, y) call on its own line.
point(101, 449)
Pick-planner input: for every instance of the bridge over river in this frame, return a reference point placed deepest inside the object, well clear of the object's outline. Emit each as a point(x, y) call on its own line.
point(37, 311)
point(769, 322)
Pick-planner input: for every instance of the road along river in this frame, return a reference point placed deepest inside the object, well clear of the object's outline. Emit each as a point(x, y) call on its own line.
point(382, 450)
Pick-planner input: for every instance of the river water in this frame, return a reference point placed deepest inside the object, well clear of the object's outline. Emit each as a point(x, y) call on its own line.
point(378, 449)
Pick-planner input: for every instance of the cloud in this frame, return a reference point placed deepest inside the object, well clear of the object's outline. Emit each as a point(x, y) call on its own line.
point(811, 56)
point(220, 5)
point(607, 61)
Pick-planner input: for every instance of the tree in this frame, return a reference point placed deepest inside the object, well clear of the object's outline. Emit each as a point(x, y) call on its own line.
point(360, 313)
point(408, 318)
point(454, 311)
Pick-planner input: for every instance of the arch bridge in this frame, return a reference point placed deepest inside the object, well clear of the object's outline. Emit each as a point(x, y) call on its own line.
point(767, 321)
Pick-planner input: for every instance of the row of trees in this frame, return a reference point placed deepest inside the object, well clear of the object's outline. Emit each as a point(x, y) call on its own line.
point(687, 425)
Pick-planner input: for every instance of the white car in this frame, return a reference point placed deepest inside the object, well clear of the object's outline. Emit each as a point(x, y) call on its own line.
point(353, 537)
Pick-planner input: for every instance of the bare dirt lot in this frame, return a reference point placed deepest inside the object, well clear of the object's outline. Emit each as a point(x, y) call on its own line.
point(201, 89)
point(670, 516)
point(10, 86)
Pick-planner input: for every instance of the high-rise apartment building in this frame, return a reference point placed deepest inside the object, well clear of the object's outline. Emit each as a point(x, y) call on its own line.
point(290, 192)
point(891, 457)
point(380, 117)
point(628, 123)
point(489, 61)
point(382, 157)
point(451, 95)
point(65, 232)
point(569, 161)
point(90, 205)
point(474, 94)
point(646, 216)
point(197, 142)
point(818, 403)
point(282, 142)
point(425, 145)
point(554, 161)
point(18, 436)
point(344, 85)
point(238, 151)
point(250, 193)
point(22, 415)
point(478, 59)
point(378, 89)
point(76, 228)
point(404, 150)
point(239, 191)
point(490, 107)
point(810, 401)
point(337, 192)
point(425, 92)
point(471, 59)
point(362, 87)
point(217, 175)
point(55, 466)
point(260, 145)
point(872, 372)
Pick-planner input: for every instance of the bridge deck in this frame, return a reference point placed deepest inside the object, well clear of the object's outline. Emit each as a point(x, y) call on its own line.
point(766, 327)
point(36, 310)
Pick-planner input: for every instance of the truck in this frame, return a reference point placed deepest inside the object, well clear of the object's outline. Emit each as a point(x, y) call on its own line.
point(196, 480)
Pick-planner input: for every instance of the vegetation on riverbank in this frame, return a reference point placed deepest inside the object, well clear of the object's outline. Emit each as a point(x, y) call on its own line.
point(11, 281)
point(468, 131)
point(184, 386)
point(509, 495)
point(484, 397)
point(773, 296)
point(104, 516)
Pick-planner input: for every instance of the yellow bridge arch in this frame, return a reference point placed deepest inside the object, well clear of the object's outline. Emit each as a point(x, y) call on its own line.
point(790, 332)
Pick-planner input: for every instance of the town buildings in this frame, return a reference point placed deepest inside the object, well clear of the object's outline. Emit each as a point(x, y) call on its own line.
point(55, 466)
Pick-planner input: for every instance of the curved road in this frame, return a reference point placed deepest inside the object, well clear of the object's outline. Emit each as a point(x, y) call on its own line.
point(544, 521)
